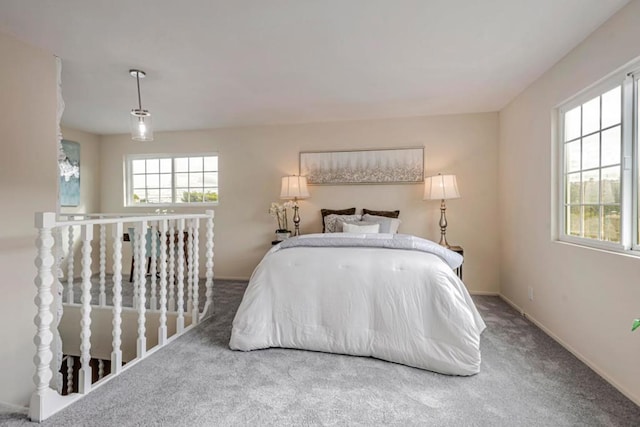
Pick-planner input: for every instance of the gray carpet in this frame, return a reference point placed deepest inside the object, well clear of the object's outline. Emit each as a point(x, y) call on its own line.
point(526, 380)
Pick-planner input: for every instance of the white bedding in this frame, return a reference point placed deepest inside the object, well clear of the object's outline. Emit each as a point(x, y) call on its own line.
point(399, 305)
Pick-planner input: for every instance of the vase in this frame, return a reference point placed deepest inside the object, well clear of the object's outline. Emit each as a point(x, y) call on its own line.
point(282, 235)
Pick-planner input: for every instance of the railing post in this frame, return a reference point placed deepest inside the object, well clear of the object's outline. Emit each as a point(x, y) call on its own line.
point(172, 266)
point(189, 266)
point(180, 318)
point(102, 299)
point(116, 352)
point(141, 230)
point(70, 296)
point(84, 379)
point(137, 260)
point(162, 328)
point(208, 305)
point(153, 301)
point(69, 374)
point(195, 261)
point(39, 407)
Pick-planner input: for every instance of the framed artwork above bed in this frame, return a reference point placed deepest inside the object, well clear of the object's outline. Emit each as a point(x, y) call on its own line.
point(379, 166)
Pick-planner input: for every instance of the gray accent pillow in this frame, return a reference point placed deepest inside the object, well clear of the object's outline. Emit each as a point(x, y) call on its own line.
point(387, 225)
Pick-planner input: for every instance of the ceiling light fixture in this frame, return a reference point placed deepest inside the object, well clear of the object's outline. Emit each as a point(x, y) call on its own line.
point(141, 129)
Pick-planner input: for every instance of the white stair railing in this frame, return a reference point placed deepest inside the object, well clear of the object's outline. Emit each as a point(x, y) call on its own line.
point(167, 259)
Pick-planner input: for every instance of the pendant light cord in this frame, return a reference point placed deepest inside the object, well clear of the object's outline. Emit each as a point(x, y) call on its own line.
point(139, 98)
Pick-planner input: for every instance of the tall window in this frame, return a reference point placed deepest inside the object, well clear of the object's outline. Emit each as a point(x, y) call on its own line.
point(598, 134)
point(167, 179)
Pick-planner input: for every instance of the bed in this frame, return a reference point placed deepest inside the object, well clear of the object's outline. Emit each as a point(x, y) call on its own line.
point(390, 296)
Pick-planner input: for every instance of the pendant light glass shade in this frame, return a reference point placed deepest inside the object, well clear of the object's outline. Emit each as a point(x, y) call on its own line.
point(141, 127)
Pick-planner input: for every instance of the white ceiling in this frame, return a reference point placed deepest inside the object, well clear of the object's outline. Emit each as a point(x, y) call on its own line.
point(244, 62)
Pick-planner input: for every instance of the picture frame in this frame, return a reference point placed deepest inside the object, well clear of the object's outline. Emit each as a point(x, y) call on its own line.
point(365, 166)
point(70, 181)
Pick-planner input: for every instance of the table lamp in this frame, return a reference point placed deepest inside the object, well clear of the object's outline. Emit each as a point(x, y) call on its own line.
point(294, 187)
point(441, 187)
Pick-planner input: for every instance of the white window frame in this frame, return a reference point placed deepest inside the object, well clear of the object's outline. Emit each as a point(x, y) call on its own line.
point(128, 181)
point(627, 78)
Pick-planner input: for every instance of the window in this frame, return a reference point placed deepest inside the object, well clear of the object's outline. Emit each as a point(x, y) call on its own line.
point(166, 179)
point(597, 136)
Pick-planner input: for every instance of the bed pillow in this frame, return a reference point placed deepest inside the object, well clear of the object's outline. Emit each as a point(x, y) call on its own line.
point(388, 214)
point(360, 228)
point(334, 223)
point(387, 225)
point(325, 212)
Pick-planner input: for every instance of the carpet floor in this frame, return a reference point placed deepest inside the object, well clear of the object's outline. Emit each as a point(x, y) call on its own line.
point(527, 379)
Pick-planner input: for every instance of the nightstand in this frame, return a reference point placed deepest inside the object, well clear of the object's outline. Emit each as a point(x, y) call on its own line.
point(459, 250)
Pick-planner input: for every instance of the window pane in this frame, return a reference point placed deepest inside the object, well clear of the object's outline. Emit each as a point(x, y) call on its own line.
point(572, 156)
point(182, 164)
point(195, 180)
point(182, 195)
point(137, 166)
point(153, 165)
point(591, 221)
point(611, 185)
point(591, 116)
point(165, 196)
point(182, 180)
point(591, 152)
point(211, 163)
point(153, 196)
point(165, 180)
point(573, 220)
point(572, 124)
point(165, 165)
point(139, 181)
point(611, 103)
point(153, 181)
point(211, 179)
point(591, 186)
point(139, 196)
point(573, 188)
point(210, 195)
point(611, 223)
point(611, 146)
point(195, 164)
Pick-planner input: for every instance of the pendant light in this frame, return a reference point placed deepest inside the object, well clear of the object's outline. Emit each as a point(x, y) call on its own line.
point(141, 129)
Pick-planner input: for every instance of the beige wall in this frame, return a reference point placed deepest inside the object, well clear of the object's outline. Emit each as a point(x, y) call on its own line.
point(253, 159)
point(28, 183)
point(585, 298)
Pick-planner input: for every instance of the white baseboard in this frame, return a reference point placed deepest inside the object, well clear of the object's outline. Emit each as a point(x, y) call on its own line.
point(239, 279)
point(582, 358)
point(485, 293)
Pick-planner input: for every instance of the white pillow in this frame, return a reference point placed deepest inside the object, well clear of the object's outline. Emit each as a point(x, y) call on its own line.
point(387, 225)
point(333, 223)
point(360, 228)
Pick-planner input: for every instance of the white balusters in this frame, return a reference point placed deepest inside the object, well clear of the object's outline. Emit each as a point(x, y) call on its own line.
point(172, 266)
point(168, 263)
point(69, 374)
point(162, 329)
point(84, 379)
point(153, 302)
point(116, 352)
point(208, 306)
point(43, 281)
point(70, 273)
point(180, 284)
point(195, 262)
point(102, 298)
point(141, 230)
point(189, 266)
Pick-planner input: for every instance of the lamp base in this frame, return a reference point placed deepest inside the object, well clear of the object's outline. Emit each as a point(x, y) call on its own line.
point(443, 226)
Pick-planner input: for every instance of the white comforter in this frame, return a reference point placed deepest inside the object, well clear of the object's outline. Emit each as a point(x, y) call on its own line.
point(404, 306)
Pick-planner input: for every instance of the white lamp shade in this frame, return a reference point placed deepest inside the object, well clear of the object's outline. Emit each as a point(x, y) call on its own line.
point(294, 186)
point(441, 187)
point(141, 128)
